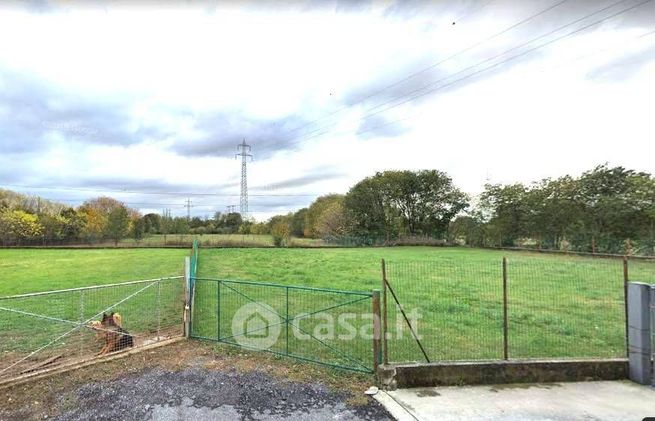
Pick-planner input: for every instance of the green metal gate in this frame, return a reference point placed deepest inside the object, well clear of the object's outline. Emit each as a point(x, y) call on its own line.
point(325, 326)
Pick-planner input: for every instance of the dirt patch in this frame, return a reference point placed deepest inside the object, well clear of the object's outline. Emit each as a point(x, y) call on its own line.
point(195, 380)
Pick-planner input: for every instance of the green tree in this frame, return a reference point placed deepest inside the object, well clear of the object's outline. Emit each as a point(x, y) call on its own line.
point(54, 227)
point(118, 224)
point(468, 229)
point(508, 210)
point(151, 223)
point(231, 222)
point(394, 203)
point(138, 229)
point(613, 211)
point(298, 222)
point(74, 224)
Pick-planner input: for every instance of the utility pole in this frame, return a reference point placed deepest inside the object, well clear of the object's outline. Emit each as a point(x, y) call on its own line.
point(188, 207)
point(243, 149)
point(231, 208)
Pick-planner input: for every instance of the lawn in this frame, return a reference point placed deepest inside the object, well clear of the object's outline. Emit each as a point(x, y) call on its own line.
point(34, 270)
point(559, 306)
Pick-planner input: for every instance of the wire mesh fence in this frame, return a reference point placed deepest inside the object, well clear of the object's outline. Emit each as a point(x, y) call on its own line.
point(569, 307)
point(456, 311)
point(43, 330)
point(325, 326)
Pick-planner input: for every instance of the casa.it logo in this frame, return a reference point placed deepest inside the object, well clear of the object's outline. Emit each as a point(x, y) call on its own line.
point(256, 325)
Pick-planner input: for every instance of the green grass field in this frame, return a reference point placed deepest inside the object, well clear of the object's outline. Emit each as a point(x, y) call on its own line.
point(559, 306)
point(34, 270)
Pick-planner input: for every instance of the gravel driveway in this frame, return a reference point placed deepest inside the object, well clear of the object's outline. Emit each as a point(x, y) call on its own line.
point(195, 392)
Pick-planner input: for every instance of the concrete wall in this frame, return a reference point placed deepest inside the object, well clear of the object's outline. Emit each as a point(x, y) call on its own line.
point(498, 372)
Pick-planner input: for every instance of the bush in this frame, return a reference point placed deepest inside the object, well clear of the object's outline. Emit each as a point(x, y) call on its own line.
point(280, 232)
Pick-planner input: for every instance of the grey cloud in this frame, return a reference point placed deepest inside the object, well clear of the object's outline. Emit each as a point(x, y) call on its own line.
point(623, 68)
point(38, 111)
point(379, 126)
point(118, 183)
point(227, 129)
point(320, 174)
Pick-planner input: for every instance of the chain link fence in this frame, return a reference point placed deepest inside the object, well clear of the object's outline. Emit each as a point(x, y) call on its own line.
point(47, 329)
point(539, 307)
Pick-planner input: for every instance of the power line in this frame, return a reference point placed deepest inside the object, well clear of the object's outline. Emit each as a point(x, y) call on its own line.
point(60, 201)
point(96, 190)
point(643, 35)
point(431, 89)
point(507, 51)
point(432, 66)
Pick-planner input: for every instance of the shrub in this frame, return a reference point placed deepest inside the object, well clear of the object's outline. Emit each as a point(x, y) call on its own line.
point(280, 232)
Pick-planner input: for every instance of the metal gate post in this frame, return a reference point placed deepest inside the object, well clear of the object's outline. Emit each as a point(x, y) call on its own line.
point(377, 331)
point(187, 297)
point(385, 320)
point(505, 316)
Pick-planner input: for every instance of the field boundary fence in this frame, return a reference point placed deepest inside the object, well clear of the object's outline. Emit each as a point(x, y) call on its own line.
point(517, 308)
point(43, 330)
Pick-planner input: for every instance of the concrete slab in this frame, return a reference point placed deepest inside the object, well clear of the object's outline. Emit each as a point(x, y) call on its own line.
point(599, 401)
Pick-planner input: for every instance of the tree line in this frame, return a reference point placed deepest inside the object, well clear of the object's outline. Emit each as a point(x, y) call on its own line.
point(29, 220)
point(605, 210)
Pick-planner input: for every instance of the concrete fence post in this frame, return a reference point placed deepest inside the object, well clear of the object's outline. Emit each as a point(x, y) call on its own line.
point(639, 333)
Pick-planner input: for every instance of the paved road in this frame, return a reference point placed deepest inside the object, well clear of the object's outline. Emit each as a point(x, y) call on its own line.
point(597, 401)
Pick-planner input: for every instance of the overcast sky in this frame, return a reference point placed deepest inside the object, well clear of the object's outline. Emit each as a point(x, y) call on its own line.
point(154, 99)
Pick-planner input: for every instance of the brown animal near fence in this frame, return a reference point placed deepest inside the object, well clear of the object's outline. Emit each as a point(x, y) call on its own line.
point(97, 326)
point(116, 338)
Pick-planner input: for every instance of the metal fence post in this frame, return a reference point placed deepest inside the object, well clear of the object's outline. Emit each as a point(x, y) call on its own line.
point(81, 322)
point(218, 310)
point(377, 330)
point(187, 297)
point(505, 316)
point(385, 320)
point(626, 279)
point(159, 310)
point(286, 321)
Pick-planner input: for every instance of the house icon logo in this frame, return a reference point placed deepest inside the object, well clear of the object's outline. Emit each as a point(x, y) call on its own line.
point(256, 325)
